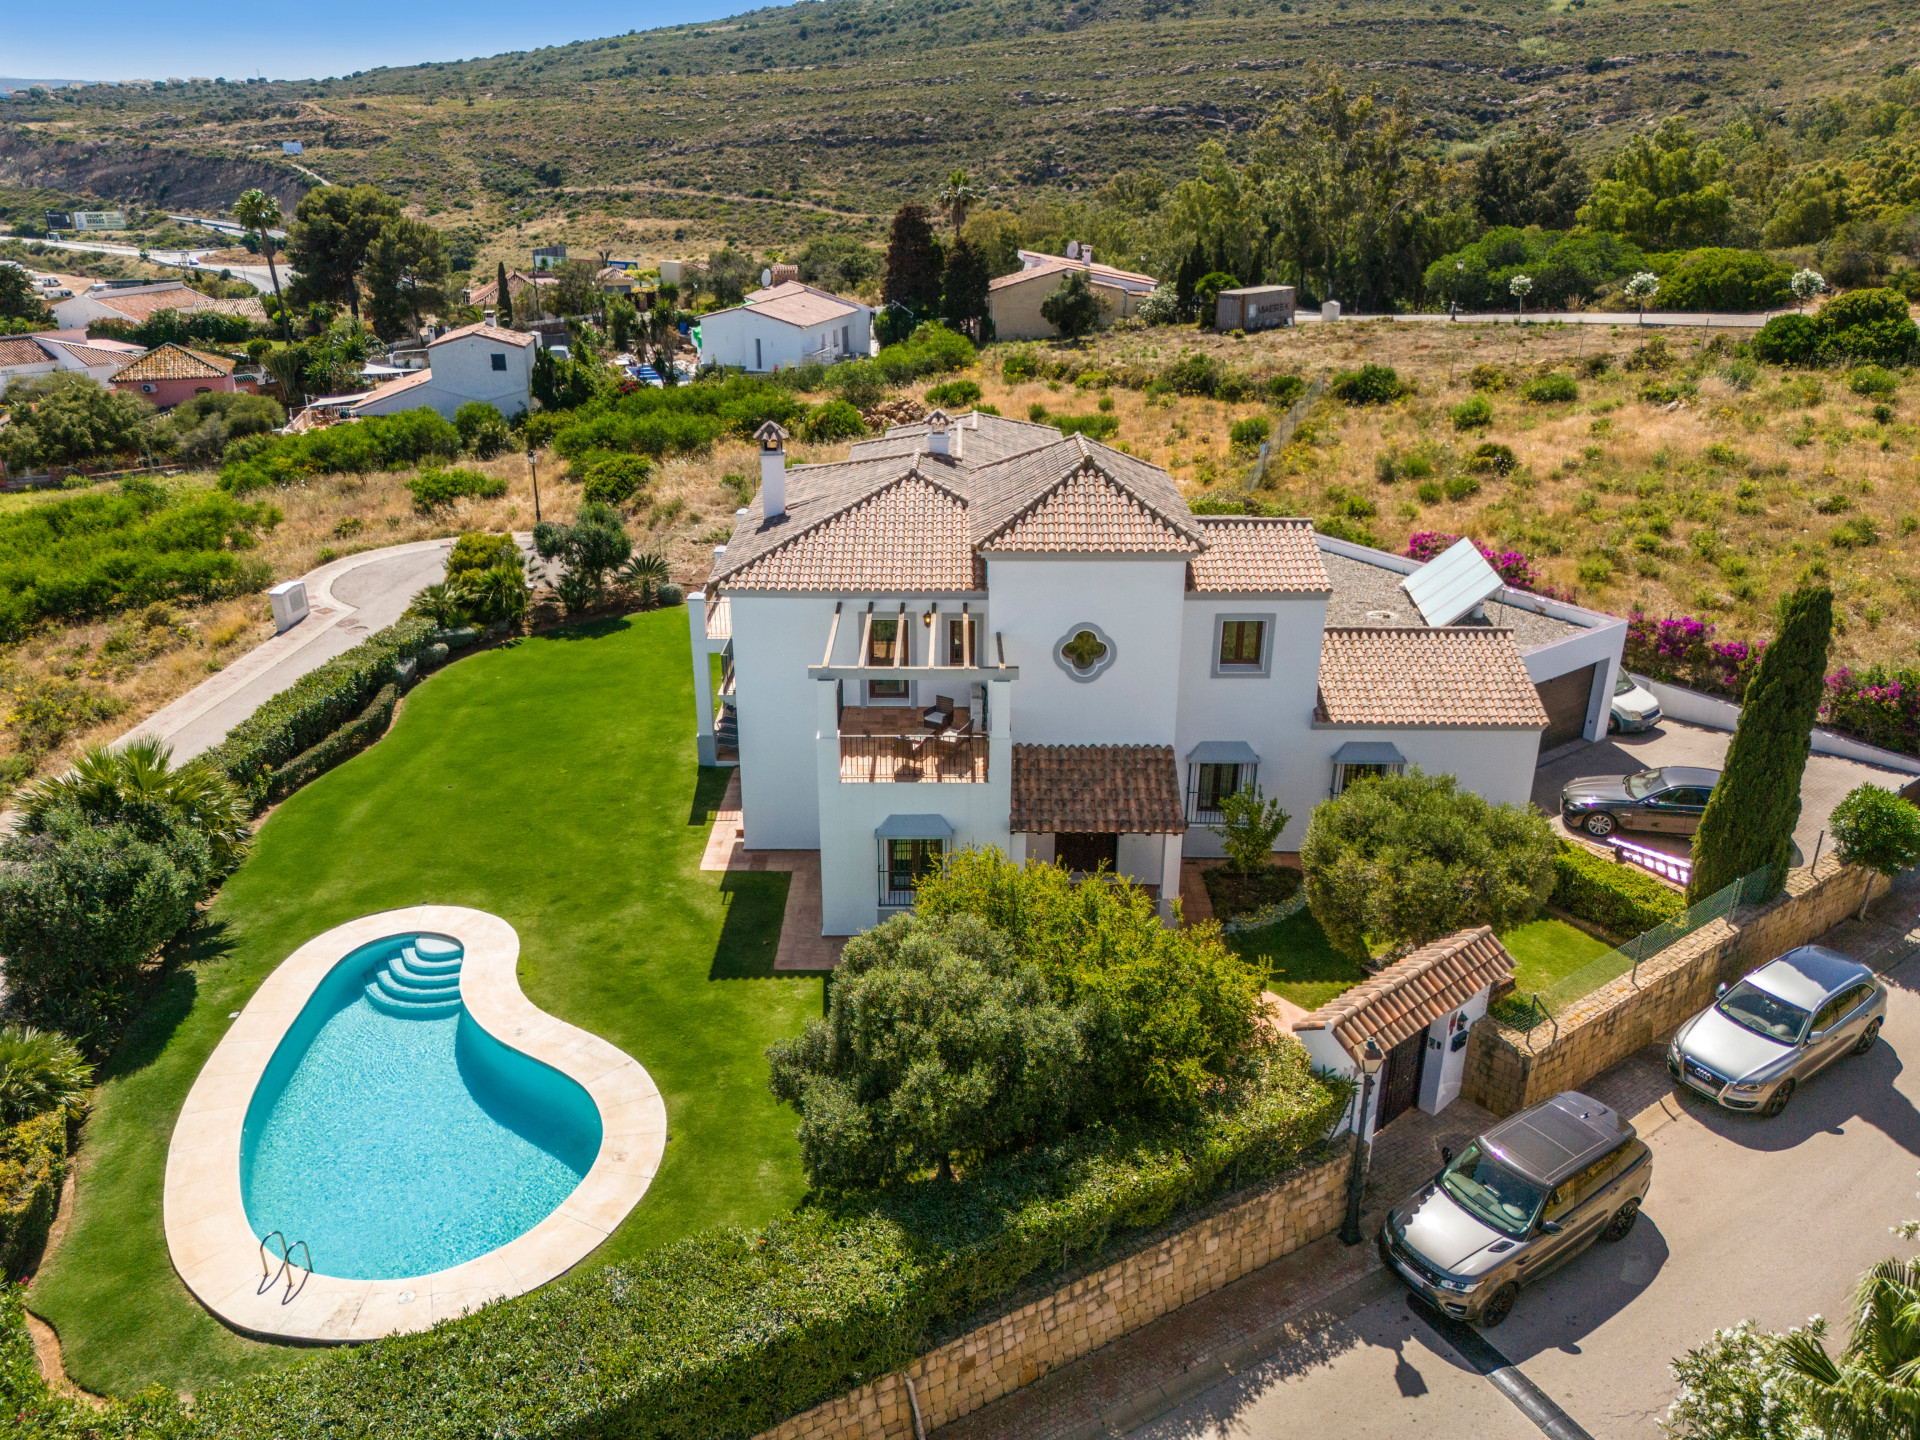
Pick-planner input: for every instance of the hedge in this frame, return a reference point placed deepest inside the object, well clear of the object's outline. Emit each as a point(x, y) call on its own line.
point(349, 740)
point(729, 1332)
point(314, 706)
point(1618, 898)
point(33, 1164)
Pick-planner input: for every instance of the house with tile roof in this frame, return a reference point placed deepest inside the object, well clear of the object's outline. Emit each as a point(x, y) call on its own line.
point(979, 631)
point(1013, 301)
point(24, 357)
point(784, 325)
point(486, 363)
point(137, 304)
point(172, 373)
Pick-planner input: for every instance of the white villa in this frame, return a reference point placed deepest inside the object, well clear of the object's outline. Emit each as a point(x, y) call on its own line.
point(977, 631)
point(483, 362)
point(785, 325)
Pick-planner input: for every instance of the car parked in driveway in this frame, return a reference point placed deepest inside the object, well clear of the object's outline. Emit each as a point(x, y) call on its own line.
point(1766, 1036)
point(1634, 707)
point(1668, 801)
point(1520, 1201)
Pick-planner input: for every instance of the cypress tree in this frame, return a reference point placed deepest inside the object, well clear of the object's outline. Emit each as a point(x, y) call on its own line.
point(966, 291)
point(503, 298)
point(914, 263)
point(1749, 821)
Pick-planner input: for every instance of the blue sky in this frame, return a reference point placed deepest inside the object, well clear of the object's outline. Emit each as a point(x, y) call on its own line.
point(125, 40)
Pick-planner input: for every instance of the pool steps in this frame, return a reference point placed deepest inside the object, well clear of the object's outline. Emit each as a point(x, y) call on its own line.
point(422, 982)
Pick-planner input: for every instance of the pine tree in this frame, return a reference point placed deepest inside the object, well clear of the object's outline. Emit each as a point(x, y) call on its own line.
point(1749, 821)
point(965, 303)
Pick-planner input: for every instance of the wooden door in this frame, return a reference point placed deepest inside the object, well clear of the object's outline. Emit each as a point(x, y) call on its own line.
point(1400, 1078)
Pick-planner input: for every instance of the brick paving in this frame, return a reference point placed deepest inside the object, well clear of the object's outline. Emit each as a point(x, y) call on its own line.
point(801, 945)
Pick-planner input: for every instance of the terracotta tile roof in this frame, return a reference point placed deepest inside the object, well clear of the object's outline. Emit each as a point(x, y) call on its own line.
point(1099, 789)
point(1059, 264)
point(1251, 555)
point(485, 331)
point(21, 350)
point(175, 362)
point(1085, 512)
point(489, 293)
point(1409, 995)
point(910, 534)
point(1461, 677)
point(1005, 490)
point(388, 389)
point(140, 306)
point(798, 304)
point(91, 355)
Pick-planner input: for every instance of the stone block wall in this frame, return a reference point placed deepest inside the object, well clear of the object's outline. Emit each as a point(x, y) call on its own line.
point(1507, 1071)
point(1174, 1267)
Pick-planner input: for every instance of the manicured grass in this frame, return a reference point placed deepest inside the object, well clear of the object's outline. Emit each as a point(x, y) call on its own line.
point(552, 783)
point(1300, 964)
point(1546, 951)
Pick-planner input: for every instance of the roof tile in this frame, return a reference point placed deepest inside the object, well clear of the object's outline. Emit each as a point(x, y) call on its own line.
point(1248, 555)
point(1097, 789)
point(1458, 677)
point(1409, 995)
point(175, 362)
point(908, 535)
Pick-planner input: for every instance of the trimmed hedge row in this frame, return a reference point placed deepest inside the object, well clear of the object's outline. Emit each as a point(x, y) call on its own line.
point(314, 706)
point(730, 1332)
point(1616, 897)
point(33, 1165)
point(349, 740)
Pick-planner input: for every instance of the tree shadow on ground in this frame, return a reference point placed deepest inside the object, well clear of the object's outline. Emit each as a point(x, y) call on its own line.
point(169, 1000)
point(584, 630)
point(708, 791)
point(755, 900)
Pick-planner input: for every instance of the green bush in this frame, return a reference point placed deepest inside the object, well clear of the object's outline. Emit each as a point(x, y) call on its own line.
point(1488, 377)
point(432, 489)
point(1282, 390)
point(1345, 527)
point(1369, 385)
point(1094, 427)
point(33, 1166)
point(1872, 380)
point(1867, 325)
point(685, 419)
point(1725, 279)
point(1249, 432)
point(1192, 374)
point(954, 394)
point(1787, 340)
point(316, 705)
point(1472, 414)
point(1618, 898)
point(1020, 365)
point(484, 432)
point(615, 479)
point(1878, 829)
point(67, 418)
point(1456, 488)
point(1550, 390)
point(1492, 458)
point(343, 744)
point(478, 551)
point(40, 1070)
point(933, 350)
point(835, 420)
point(380, 442)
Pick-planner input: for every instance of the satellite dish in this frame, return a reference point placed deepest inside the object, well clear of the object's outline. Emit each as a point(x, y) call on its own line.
point(766, 278)
point(1451, 584)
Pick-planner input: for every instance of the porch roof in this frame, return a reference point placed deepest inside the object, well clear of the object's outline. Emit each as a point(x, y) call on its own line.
point(914, 827)
point(1097, 789)
point(1411, 994)
point(1369, 752)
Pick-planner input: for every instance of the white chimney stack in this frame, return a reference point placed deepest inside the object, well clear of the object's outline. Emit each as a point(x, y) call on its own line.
point(773, 470)
point(489, 315)
point(939, 433)
point(1086, 255)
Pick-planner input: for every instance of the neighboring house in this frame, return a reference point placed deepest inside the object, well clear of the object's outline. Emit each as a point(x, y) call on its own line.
point(137, 304)
point(786, 325)
point(24, 356)
point(173, 373)
point(1014, 300)
point(548, 257)
point(487, 296)
point(1102, 667)
point(615, 280)
point(476, 362)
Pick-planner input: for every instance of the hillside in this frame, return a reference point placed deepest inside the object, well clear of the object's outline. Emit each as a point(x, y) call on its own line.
point(789, 122)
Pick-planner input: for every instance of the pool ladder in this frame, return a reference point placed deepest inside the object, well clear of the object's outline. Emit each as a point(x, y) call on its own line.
point(269, 1277)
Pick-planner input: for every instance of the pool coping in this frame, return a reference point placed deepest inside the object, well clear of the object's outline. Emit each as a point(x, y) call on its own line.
point(212, 1244)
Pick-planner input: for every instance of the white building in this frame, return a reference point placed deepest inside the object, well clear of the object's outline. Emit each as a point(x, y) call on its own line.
point(23, 357)
point(135, 304)
point(476, 362)
point(980, 632)
point(786, 325)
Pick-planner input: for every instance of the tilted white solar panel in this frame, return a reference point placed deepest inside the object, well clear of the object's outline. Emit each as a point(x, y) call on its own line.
point(1452, 583)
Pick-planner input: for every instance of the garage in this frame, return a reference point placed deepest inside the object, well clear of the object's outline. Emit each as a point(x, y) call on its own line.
point(1566, 698)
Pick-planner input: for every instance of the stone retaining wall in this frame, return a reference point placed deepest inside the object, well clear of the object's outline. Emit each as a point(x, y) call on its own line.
point(1223, 1243)
point(1507, 1071)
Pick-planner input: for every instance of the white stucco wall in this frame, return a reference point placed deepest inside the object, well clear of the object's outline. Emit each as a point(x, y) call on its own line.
point(727, 336)
point(1496, 764)
point(775, 639)
point(1446, 1067)
point(463, 368)
point(1269, 712)
point(1038, 600)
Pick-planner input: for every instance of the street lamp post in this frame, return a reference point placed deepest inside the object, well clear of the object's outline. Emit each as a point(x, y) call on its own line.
point(1371, 1059)
point(534, 471)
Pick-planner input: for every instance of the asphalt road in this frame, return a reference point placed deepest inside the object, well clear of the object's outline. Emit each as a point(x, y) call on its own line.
point(1765, 1220)
point(257, 276)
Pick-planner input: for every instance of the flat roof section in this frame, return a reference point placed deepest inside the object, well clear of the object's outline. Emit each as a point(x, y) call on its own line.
point(1366, 594)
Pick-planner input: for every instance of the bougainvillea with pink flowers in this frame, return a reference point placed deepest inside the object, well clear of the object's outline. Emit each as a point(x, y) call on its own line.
point(1510, 565)
point(1879, 705)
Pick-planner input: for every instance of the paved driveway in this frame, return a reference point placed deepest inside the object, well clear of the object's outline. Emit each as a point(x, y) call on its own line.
point(1828, 777)
point(1767, 1220)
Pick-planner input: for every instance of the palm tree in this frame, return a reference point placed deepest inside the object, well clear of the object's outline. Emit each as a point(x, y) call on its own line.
point(645, 573)
point(106, 784)
point(260, 212)
point(1873, 1391)
point(955, 199)
point(40, 1070)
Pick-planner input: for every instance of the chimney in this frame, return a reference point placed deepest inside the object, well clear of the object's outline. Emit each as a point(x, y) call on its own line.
point(1086, 255)
point(939, 434)
point(489, 315)
point(773, 470)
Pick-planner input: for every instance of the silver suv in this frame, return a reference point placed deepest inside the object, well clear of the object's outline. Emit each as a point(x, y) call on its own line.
point(1521, 1200)
point(1766, 1036)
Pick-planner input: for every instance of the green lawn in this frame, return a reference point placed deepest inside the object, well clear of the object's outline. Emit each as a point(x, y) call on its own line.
point(1300, 964)
point(554, 784)
point(1545, 952)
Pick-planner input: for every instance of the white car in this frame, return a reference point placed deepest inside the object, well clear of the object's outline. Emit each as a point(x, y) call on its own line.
point(1633, 708)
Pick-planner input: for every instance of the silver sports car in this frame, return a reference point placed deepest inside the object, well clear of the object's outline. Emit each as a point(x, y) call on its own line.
point(1770, 1033)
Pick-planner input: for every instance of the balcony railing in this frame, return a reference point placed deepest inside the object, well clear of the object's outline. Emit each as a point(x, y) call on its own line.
point(720, 618)
point(906, 759)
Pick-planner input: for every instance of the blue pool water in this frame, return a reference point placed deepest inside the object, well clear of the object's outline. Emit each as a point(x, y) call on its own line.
point(394, 1135)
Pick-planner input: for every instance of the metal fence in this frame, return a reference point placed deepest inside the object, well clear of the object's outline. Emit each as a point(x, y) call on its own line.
point(1524, 1012)
point(1283, 431)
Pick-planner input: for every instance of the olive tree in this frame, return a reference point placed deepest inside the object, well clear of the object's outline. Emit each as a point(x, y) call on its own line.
point(1877, 829)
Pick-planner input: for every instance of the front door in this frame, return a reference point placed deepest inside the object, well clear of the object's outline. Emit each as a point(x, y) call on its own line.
point(1400, 1078)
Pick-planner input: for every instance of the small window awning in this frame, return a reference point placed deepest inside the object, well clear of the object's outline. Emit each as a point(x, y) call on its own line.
point(914, 827)
point(1222, 752)
point(1368, 752)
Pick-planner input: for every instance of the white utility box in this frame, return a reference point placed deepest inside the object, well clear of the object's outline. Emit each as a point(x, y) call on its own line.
point(1330, 310)
point(289, 599)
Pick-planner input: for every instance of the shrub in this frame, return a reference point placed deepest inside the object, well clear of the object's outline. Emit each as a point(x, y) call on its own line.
point(1191, 374)
point(1867, 325)
point(615, 479)
point(1725, 279)
point(1405, 859)
point(1550, 389)
point(590, 550)
point(1618, 898)
point(33, 1166)
point(1787, 340)
point(478, 551)
point(835, 420)
point(1343, 527)
point(954, 394)
point(1488, 377)
point(349, 740)
point(1369, 385)
point(933, 349)
point(1282, 390)
point(40, 1071)
point(380, 442)
point(1249, 432)
point(1473, 414)
point(1456, 488)
point(1094, 427)
point(1878, 829)
point(68, 418)
point(432, 489)
point(1493, 458)
point(687, 419)
point(1249, 825)
point(1019, 365)
point(201, 428)
point(1206, 292)
point(316, 705)
point(137, 783)
point(1880, 705)
point(484, 432)
point(1872, 380)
